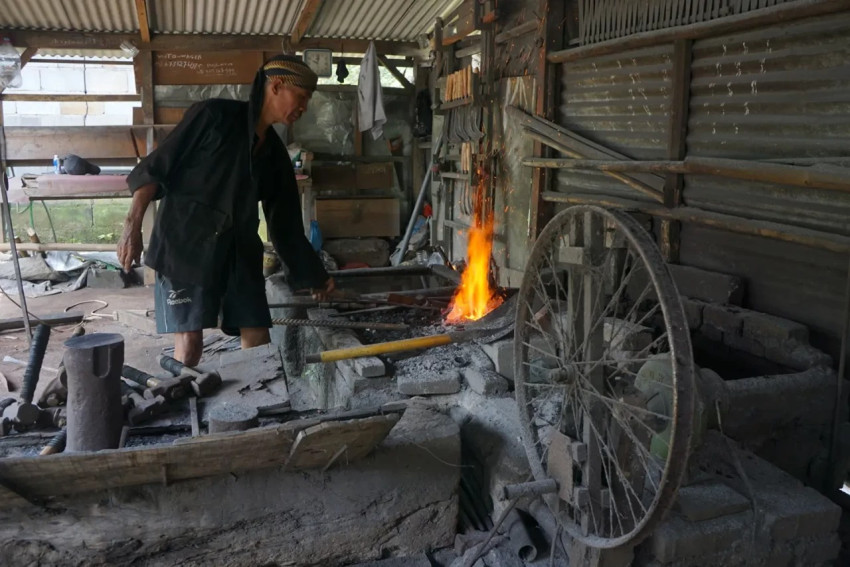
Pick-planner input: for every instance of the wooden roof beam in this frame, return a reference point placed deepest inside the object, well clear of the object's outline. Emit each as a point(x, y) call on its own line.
point(144, 27)
point(305, 20)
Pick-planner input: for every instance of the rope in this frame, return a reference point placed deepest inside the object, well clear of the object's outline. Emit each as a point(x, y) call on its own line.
point(340, 324)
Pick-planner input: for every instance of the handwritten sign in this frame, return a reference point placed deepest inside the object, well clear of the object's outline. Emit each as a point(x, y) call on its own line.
point(207, 68)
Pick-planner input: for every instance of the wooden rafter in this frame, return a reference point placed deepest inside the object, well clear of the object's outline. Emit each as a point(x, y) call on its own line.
point(144, 28)
point(395, 72)
point(305, 20)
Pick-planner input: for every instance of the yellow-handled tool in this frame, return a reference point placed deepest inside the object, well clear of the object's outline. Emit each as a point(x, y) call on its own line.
point(403, 345)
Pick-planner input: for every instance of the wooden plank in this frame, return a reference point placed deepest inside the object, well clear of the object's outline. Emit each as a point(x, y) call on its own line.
point(162, 114)
point(677, 130)
point(205, 68)
point(344, 218)
point(338, 442)
point(144, 28)
point(24, 143)
point(11, 499)
point(305, 20)
point(71, 97)
point(391, 67)
point(199, 42)
point(518, 31)
point(52, 319)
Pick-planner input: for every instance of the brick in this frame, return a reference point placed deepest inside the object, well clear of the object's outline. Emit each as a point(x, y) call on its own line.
point(693, 312)
point(485, 382)
point(429, 384)
point(712, 287)
point(764, 327)
point(727, 319)
point(708, 501)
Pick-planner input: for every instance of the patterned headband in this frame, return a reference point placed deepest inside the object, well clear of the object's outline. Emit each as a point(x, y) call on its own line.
point(292, 71)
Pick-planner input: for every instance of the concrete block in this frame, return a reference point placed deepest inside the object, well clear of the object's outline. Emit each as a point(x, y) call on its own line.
point(502, 353)
point(744, 344)
point(712, 287)
point(708, 501)
point(693, 312)
point(38, 108)
point(410, 561)
point(677, 538)
point(727, 319)
point(766, 328)
point(66, 81)
point(30, 79)
point(797, 356)
point(711, 332)
point(823, 549)
point(110, 119)
point(797, 512)
point(108, 81)
point(372, 251)
point(429, 384)
point(485, 382)
point(625, 335)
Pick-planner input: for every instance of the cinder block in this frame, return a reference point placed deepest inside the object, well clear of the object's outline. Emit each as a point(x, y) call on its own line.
point(107, 81)
point(822, 549)
point(677, 538)
point(711, 332)
point(485, 382)
point(63, 81)
point(429, 384)
point(763, 327)
point(709, 500)
point(744, 344)
point(502, 353)
point(693, 312)
point(712, 287)
point(796, 513)
point(727, 319)
point(797, 356)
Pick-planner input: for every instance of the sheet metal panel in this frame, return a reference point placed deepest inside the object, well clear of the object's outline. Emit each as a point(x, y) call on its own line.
point(77, 15)
point(621, 101)
point(779, 92)
point(247, 17)
point(401, 20)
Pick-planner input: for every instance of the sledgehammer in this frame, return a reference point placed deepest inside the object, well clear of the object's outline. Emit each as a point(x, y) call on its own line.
point(203, 383)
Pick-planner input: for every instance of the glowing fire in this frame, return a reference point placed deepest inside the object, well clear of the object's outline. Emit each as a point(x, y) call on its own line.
point(475, 298)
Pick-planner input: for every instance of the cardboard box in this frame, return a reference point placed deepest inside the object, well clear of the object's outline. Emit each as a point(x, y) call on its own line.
point(344, 218)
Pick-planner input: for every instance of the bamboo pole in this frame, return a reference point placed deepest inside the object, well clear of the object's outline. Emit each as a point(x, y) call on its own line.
point(731, 223)
point(59, 246)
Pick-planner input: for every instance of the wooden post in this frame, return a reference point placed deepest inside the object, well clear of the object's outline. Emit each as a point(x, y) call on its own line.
point(548, 91)
point(145, 60)
point(677, 144)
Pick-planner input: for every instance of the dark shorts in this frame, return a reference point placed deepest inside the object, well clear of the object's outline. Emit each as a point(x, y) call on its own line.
point(234, 300)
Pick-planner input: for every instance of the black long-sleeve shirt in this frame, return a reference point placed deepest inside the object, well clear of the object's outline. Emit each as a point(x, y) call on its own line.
point(210, 183)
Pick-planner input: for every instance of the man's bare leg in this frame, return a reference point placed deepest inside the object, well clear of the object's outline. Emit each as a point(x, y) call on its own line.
point(254, 336)
point(188, 347)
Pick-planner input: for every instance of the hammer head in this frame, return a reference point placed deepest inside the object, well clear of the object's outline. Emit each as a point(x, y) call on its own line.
point(22, 413)
point(169, 387)
point(205, 383)
point(145, 409)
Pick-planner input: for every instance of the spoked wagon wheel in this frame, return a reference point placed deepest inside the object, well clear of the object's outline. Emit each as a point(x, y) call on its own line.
point(604, 375)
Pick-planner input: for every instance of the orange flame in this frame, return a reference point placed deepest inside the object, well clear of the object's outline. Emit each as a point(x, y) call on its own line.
point(475, 298)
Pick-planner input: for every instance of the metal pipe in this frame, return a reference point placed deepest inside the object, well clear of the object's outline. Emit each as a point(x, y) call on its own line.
point(375, 272)
point(519, 539)
point(95, 415)
point(335, 324)
point(533, 488)
point(7, 213)
point(398, 253)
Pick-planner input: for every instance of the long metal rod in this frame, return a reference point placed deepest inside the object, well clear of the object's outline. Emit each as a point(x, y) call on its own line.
point(7, 212)
point(335, 324)
point(398, 253)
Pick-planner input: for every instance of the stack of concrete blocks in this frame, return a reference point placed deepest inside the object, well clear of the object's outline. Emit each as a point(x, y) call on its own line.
point(738, 510)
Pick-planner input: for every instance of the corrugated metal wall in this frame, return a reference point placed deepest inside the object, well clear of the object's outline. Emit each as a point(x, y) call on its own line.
point(781, 92)
point(83, 15)
point(366, 19)
point(224, 16)
point(777, 92)
point(621, 101)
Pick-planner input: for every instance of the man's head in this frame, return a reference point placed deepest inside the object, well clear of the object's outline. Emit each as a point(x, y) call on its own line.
point(288, 88)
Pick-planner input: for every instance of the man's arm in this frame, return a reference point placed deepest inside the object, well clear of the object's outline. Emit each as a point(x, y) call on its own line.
point(130, 243)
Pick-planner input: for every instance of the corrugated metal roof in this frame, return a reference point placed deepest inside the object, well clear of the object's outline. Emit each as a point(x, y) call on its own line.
point(248, 17)
point(70, 15)
point(400, 20)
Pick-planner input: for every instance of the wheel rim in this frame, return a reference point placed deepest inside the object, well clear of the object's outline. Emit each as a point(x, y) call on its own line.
point(604, 375)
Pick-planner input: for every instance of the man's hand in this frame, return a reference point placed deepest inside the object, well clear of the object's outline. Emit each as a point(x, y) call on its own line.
point(130, 246)
point(324, 294)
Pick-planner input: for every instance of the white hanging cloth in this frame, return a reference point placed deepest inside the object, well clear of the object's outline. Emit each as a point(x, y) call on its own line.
point(370, 97)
